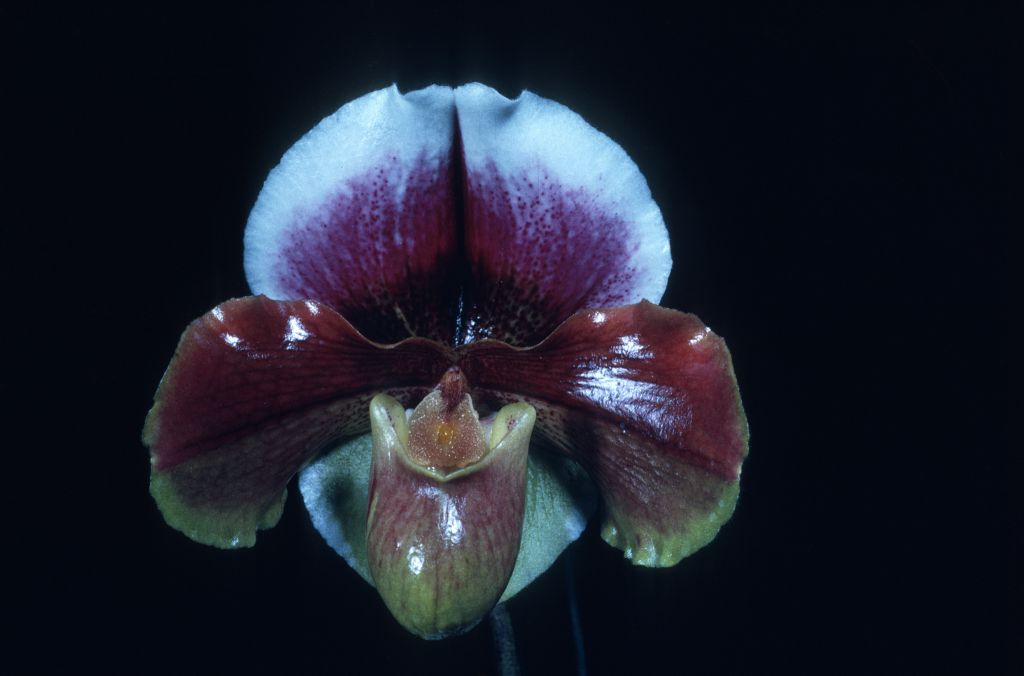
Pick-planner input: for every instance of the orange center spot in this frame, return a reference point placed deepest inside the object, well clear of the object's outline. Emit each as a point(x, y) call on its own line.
point(444, 437)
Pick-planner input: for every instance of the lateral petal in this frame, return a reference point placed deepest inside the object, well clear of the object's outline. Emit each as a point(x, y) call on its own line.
point(255, 389)
point(645, 399)
point(557, 218)
point(361, 215)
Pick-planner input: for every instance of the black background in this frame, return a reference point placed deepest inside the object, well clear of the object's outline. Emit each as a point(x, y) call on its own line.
point(835, 181)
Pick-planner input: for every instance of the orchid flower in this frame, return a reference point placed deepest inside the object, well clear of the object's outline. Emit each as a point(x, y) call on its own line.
point(474, 281)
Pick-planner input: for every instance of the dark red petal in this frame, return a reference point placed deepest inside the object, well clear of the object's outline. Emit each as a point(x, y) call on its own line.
point(255, 389)
point(646, 400)
point(557, 218)
point(360, 215)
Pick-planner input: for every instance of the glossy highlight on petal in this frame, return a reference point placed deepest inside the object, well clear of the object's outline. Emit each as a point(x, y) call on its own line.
point(446, 249)
point(645, 399)
point(256, 388)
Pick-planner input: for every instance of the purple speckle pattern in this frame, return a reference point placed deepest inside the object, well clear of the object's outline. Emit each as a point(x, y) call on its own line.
point(384, 251)
point(381, 251)
point(538, 252)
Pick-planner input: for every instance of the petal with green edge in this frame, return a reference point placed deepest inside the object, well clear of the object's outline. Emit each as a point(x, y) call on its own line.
point(256, 389)
point(645, 399)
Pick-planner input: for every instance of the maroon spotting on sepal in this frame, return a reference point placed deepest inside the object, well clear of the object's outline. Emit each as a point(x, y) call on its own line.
point(457, 215)
point(361, 215)
point(455, 251)
point(446, 508)
point(556, 218)
point(645, 399)
point(255, 389)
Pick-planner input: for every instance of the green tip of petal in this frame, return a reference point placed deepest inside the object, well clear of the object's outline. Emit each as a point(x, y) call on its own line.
point(648, 547)
point(215, 526)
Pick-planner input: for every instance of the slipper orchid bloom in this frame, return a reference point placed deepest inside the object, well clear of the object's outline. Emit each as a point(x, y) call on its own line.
point(493, 265)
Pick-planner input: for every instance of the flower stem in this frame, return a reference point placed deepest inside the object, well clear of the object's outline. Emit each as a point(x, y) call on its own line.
point(574, 616)
point(504, 641)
